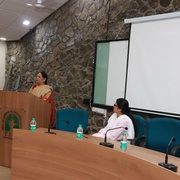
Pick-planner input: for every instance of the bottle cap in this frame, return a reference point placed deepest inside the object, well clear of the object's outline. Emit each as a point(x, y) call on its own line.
point(80, 125)
point(33, 118)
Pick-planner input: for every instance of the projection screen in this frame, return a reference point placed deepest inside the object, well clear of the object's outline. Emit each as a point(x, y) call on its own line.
point(153, 79)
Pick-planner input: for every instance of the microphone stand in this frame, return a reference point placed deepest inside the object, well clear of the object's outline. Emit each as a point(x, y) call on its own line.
point(110, 145)
point(165, 164)
point(16, 89)
point(50, 132)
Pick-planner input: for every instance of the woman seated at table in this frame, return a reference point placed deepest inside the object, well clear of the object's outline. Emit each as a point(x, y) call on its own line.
point(121, 117)
point(44, 91)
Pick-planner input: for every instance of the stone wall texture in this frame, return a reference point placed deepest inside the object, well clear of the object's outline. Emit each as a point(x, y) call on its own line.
point(63, 45)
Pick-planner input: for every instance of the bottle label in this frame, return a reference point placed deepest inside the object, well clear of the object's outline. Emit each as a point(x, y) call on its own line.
point(33, 128)
point(123, 145)
point(79, 135)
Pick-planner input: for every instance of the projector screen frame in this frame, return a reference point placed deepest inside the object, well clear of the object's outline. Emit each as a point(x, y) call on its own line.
point(168, 17)
point(123, 60)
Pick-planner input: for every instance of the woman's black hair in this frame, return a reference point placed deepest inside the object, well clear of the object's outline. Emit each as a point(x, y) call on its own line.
point(44, 75)
point(123, 104)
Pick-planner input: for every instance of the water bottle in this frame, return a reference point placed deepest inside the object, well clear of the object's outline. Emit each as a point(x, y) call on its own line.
point(79, 134)
point(33, 124)
point(123, 143)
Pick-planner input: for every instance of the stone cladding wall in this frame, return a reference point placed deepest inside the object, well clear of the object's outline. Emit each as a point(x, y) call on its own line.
point(63, 45)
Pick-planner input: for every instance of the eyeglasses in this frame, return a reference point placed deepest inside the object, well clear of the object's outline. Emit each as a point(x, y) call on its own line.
point(115, 105)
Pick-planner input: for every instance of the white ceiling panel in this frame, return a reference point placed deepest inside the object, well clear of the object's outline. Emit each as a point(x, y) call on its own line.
point(39, 13)
point(14, 12)
point(18, 8)
point(33, 22)
point(7, 17)
point(2, 27)
point(14, 33)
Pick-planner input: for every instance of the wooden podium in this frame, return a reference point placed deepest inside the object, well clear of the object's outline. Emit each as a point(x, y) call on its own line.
point(16, 111)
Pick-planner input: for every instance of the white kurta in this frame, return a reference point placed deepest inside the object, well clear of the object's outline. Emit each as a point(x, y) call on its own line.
point(113, 122)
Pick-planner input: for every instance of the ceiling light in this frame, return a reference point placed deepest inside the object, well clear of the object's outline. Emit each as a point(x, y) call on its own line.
point(3, 39)
point(26, 22)
point(29, 4)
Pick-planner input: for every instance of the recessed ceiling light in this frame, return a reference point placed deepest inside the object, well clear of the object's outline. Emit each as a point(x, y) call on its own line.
point(26, 22)
point(3, 39)
point(29, 4)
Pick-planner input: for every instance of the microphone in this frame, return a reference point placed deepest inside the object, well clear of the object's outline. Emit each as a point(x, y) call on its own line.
point(166, 165)
point(17, 88)
point(110, 145)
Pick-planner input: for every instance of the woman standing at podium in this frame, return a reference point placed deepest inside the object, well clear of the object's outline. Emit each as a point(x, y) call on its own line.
point(121, 117)
point(45, 92)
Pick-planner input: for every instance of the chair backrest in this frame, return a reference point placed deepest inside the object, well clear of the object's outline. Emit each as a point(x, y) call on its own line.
point(159, 132)
point(140, 125)
point(69, 119)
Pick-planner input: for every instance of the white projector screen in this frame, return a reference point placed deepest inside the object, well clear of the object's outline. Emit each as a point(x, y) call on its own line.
point(153, 80)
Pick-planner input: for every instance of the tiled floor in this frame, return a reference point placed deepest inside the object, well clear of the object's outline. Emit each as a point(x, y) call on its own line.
point(5, 173)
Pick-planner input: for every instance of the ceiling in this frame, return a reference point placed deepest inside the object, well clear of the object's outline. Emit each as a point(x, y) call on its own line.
point(14, 12)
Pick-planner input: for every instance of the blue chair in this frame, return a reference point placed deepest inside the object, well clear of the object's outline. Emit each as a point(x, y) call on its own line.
point(69, 119)
point(159, 132)
point(140, 125)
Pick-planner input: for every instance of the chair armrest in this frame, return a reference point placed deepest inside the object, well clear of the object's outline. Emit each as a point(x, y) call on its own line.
point(139, 141)
point(175, 151)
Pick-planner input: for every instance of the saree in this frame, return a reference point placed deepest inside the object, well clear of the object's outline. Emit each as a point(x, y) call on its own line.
point(45, 92)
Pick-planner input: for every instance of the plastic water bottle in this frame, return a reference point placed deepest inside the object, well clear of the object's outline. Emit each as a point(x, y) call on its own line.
point(79, 134)
point(123, 143)
point(33, 125)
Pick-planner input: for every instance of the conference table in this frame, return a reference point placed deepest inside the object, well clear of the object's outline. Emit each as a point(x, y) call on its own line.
point(40, 155)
